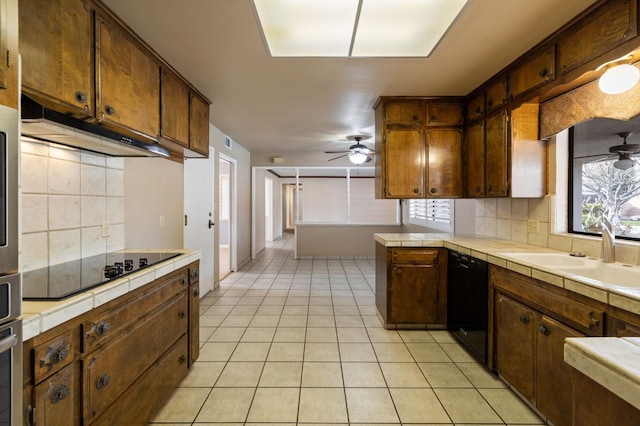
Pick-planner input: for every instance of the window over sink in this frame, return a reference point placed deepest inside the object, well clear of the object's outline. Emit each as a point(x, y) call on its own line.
point(605, 181)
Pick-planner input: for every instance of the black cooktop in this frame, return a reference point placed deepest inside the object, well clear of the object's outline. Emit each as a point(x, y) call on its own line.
point(57, 282)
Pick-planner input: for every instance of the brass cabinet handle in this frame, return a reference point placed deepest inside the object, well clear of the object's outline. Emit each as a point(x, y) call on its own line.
point(524, 318)
point(595, 322)
point(103, 381)
point(544, 330)
point(59, 393)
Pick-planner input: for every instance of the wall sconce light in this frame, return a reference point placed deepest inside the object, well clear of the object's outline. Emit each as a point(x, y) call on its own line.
point(618, 77)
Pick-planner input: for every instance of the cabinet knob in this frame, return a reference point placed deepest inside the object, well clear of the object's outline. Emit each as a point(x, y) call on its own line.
point(102, 328)
point(103, 381)
point(490, 103)
point(595, 322)
point(524, 318)
point(416, 190)
point(416, 118)
point(109, 110)
point(182, 314)
point(478, 189)
point(544, 330)
point(195, 292)
point(433, 190)
point(478, 110)
point(183, 280)
point(80, 97)
point(398, 271)
point(59, 393)
point(544, 73)
point(55, 355)
point(434, 117)
point(182, 359)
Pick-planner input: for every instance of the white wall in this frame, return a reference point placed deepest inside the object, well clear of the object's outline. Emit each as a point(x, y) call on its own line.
point(324, 200)
point(259, 240)
point(153, 188)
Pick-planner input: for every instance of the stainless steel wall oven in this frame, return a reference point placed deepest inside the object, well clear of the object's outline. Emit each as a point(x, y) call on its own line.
point(10, 285)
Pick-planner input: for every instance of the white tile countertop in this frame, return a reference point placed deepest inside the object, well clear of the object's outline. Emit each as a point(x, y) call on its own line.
point(612, 362)
point(40, 316)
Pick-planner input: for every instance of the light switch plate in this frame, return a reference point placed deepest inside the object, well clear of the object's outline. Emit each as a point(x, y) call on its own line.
point(533, 226)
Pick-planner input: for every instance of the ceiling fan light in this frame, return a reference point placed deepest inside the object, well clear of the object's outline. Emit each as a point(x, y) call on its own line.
point(619, 79)
point(357, 157)
point(624, 163)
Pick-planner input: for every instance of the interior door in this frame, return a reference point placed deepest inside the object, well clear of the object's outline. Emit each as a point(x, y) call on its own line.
point(198, 210)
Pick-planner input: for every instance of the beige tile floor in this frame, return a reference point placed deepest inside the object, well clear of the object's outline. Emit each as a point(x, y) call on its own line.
point(287, 341)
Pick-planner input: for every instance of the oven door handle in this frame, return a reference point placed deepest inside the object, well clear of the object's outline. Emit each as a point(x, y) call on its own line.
point(8, 343)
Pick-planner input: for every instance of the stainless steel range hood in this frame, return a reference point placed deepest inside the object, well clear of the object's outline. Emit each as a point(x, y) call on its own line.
point(41, 123)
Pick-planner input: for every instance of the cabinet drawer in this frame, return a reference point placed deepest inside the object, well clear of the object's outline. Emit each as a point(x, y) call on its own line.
point(159, 382)
point(114, 367)
point(52, 355)
point(404, 113)
point(98, 330)
point(584, 318)
point(439, 114)
point(421, 256)
point(55, 399)
point(497, 95)
point(535, 72)
point(475, 108)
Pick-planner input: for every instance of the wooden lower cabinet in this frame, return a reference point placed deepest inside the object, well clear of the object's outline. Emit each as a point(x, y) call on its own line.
point(116, 364)
point(194, 312)
point(531, 321)
point(412, 287)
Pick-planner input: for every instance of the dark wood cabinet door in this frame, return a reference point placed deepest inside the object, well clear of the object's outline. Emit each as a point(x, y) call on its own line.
point(414, 294)
point(553, 376)
point(496, 95)
point(475, 160)
point(475, 107)
point(199, 125)
point(403, 153)
point(409, 113)
point(599, 32)
point(444, 114)
point(496, 156)
point(174, 103)
point(194, 321)
point(56, 46)
point(127, 82)
point(444, 168)
point(54, 399)
point(514, 328)
point(536, 71)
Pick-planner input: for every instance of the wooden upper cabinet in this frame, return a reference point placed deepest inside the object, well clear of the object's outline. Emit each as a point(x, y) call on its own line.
point(199, 125)
point(444, 114)
point(56, 46)
point(528, 154)
point(475, 107)
point(409, 113)
point(497, 95)
point(174, 108)
point(9, 53)
point(403, 170)
point(538, 70)
point(127, 82)
point(496, 155)
point(604, 29)
point(444, 169)
point(475, 160)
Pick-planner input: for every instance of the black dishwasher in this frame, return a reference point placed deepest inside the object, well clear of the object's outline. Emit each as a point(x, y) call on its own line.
point(467, 302)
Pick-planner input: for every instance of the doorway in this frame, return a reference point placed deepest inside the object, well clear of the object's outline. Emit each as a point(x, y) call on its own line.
point(292, 203)
point(226, 210)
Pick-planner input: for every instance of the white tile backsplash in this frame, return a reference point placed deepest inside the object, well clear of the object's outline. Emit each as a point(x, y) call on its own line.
point(67, 194)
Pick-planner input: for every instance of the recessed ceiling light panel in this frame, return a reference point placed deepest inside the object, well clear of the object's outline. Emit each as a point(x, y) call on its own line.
point(403, 28)
point(307, 27)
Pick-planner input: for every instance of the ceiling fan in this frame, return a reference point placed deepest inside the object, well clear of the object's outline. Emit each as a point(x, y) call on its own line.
point(357, 153)
point(624, 153)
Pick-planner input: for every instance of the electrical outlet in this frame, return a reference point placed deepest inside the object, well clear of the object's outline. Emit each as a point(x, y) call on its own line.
point(105, 228)
point(161, 221)
point(533, 226)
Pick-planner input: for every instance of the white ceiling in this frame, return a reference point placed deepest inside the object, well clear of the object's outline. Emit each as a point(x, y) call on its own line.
point(281, 105)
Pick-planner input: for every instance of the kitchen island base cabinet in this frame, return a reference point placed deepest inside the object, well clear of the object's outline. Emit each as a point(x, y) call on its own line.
point(594, 405)
point(115, 364)
point(411, 287)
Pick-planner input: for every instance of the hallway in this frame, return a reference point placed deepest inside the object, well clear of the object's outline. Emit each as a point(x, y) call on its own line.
point(298, 341)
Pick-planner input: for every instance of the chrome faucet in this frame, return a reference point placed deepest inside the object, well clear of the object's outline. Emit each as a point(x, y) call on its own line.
point(608, 239)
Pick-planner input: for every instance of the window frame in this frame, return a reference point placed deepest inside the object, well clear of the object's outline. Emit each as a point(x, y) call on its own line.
point(426, 221)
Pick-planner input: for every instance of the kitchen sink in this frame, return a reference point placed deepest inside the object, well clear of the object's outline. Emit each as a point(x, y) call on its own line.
point(552, 260)
point(614, 274)
point(611, 274)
